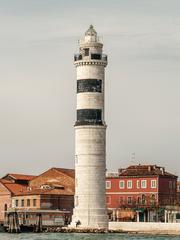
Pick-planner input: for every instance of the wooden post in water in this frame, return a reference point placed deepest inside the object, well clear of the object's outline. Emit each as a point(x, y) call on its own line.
point(38, 227)
point(13, 223)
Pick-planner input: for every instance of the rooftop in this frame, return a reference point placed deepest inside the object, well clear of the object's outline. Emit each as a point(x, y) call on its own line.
point(40, 191)
point(90, 37)
point(91, 31)
point(14, 188)
point(69, 172)
point(144, 170)
point(16, 176)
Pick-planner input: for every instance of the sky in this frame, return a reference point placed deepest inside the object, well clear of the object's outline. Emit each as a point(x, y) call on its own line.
point(38, 39)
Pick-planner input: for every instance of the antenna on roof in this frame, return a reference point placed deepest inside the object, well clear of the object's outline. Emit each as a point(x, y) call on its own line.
point(133, 157)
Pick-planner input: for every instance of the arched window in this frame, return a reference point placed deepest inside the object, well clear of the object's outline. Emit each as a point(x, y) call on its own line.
point(5, 210)
point(153, 199)
point(138, 200)
point(143, 199)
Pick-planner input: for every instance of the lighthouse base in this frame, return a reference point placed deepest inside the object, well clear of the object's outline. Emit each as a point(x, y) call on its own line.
point(90, 219)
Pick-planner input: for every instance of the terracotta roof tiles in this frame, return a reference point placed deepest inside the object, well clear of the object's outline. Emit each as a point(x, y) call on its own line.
point(20, 176)
point(69, 172)
point(39, 191)
point(144, 170)
point(14, 188)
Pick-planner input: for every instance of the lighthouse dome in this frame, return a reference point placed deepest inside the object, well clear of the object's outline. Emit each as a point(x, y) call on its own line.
point(91, 34)
point(91, 31)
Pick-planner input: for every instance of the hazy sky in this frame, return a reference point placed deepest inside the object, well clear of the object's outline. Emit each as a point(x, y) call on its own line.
point(38, 81)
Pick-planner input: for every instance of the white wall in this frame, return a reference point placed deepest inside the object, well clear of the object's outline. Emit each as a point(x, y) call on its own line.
point(146, 227)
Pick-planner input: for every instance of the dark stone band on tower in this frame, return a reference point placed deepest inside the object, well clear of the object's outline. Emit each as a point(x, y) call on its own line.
point(89, 85)
point(89, 117)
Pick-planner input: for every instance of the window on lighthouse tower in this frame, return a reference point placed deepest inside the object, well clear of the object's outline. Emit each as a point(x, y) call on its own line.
point(96, 56)
point(86, 51)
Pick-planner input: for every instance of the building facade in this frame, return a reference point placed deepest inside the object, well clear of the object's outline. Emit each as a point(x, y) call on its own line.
point(178, 193)
point(143, 190)
point(51, 190)
point(51, 193)
point(10, 186)
point(90, 134)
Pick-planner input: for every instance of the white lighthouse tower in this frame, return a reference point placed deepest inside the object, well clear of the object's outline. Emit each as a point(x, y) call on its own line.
point(90, 135)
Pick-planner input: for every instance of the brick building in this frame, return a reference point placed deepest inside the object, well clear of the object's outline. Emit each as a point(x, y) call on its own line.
point(178, 193)
point(137, 193)
point(10, 186)
point(140, 192)
point(50, 191)
point(53, 189)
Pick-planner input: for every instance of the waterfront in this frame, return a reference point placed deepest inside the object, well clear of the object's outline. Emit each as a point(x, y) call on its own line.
point(65, 236)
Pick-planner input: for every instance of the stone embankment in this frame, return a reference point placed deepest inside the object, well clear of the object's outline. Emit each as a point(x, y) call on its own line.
point(156, 228)
point(74, 230)
point(145, 227)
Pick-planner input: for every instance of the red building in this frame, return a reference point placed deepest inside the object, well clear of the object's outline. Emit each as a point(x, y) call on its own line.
point(140, 189)
point(178, 193)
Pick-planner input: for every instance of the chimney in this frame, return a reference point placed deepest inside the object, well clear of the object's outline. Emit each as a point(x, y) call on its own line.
point(163, 170)
point(120, 170)
point(149, 168)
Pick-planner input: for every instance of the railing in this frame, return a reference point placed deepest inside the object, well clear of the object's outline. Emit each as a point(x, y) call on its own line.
point(98, 39)
point(104, 57)
point(77, 57)
point(112, 174)
point(93, 56)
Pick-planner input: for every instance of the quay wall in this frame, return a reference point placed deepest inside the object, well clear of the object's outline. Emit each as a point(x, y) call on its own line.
point(146, 227)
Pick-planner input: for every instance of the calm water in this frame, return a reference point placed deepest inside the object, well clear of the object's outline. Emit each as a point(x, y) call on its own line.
point(65, 236)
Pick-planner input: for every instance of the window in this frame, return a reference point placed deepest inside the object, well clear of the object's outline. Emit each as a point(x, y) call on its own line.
point(76, 201)
point(108, 199)
point(121, 184)
point(108, 185)
point(28, 202)
point(5, 210)
point(22, 203)
point(129, 184)
point(86, 51)
point(129, 200)
point(16, 203)
point(96, 56)
point(153, 183)
point(170, 184)
point(34, 202)
point(143, 183)
point(152, 199)
point(138, 184)
point(143, 199)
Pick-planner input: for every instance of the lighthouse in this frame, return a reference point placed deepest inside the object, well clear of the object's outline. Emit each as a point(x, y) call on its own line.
point(90, 134)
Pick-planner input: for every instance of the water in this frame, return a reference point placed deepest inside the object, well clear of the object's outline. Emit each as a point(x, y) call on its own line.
point(77, 236)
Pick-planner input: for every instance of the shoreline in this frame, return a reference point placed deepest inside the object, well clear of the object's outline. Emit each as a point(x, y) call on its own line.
point(131, 228)
point(102, 231)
